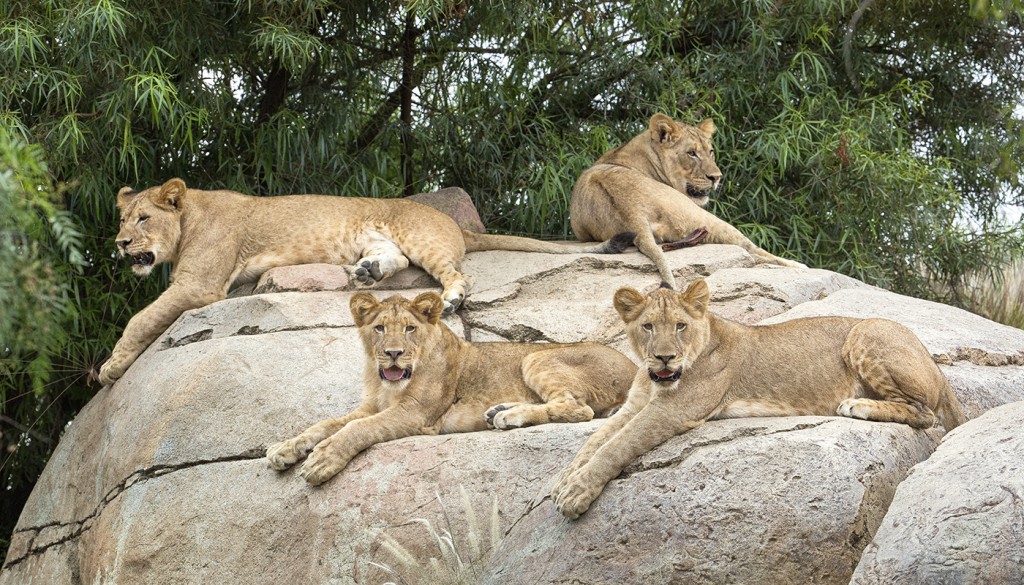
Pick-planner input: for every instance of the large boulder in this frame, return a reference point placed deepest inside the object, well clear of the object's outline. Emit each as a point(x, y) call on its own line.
point(161, 478)
point(959, 517)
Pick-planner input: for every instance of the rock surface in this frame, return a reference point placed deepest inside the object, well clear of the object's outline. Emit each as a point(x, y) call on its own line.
point(959, 517)
point(161, 478)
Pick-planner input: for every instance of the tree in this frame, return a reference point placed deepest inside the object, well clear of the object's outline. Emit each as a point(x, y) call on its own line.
point(876, 139)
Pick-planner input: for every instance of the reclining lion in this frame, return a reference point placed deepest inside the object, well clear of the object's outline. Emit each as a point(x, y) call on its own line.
point(655, 186)
point(698, 367)
point(421, 379)
point(219, 238)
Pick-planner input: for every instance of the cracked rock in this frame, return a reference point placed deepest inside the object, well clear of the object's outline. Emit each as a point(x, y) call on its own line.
point(959, 517)
point(160, 478)
point(773, 500)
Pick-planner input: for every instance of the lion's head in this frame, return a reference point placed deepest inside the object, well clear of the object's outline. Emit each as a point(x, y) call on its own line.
point(668, 329)
point(686, 159)
point(150, 225)
point(396, 332)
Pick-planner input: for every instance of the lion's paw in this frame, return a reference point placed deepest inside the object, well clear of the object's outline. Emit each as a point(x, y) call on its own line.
point(854, 408)
point(575, 497)
point(368, 272)
point(283, 455)
point(110, 372)
point(560, 481)
point(321, 466)
point(452, 304)
point(505, 416)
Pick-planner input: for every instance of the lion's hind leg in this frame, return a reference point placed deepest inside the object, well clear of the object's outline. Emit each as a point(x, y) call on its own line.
point(562, 386)
point(915, 415)
point(898, 381)
point(381, 258)
point(514, 415)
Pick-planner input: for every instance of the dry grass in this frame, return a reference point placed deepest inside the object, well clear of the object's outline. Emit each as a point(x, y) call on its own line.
point(448, 559)
point(999, 297)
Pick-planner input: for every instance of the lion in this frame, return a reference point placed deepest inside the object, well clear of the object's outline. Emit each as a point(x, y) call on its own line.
point(217, 239)
point(422, 379)
point(655, 185)
point(698, 367)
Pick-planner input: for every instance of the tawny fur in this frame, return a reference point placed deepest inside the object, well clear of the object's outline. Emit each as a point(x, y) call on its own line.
point(453, 386)
point(656, 185)
point(216, 239)
point(698, 367)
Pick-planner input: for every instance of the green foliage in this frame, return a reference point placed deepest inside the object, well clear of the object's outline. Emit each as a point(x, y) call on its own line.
point(40, 248)
point(879, 139)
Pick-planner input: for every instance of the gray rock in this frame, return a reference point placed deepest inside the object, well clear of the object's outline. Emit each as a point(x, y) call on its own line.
point(161, 478)
point(771, 500)
point(959, 516)
point(456, 203)
point(302, 278)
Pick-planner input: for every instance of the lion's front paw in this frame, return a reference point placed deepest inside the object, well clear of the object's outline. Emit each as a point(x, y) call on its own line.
point(575, 496)
point(368, 272)
point(505, 416)
point(793, 264)
point(321, 465)
point(560, 481)
point(283, 455)
point(111, 371)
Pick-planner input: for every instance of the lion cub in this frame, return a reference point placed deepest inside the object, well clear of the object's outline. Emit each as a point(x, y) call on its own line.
point(698, 367)
point(421, 379)
point(655, 185)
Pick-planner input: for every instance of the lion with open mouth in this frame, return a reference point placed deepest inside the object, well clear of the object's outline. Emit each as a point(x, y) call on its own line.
point(422, 379)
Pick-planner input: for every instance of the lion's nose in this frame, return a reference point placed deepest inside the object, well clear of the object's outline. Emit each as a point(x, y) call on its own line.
point(665, 359)
point(123, 244)
point(393, 353)
point(715, 180)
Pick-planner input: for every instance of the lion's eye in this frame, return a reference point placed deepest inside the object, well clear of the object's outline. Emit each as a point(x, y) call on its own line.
point(680, 326)
point(379, 329)
point(648, 327)
point(410, 328)
point(692, 153)
point(143, 218)
point(712, 152)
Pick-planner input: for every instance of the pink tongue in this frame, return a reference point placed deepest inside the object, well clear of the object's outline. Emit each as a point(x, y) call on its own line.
point(665, 373)
point(394, 374)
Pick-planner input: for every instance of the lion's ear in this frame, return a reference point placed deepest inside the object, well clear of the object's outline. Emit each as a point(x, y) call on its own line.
point(707, 128)
point(664, 130)
point(697, 296)
point(629, 303)
point(363, 307)
point(171, 194)
point(125, 196)
point(430, 306)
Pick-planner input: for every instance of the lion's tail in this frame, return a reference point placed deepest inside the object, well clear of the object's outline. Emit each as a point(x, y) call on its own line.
point(950, 414)
point(476, 242)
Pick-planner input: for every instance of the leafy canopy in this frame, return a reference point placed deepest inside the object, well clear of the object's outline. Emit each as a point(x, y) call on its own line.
point(879, 139)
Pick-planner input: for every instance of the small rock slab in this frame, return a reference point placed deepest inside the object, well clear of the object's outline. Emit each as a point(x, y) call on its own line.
point(959, 516)
point(750, 295)
point(302, 278)
point(457, 204)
